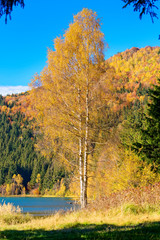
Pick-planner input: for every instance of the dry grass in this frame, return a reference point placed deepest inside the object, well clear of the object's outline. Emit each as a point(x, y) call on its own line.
point(112, 224)
point(122, 216)
point(9, 209)
point(11, 215)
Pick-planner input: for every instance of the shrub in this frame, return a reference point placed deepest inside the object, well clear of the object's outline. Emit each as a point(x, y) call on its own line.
point(146, 196)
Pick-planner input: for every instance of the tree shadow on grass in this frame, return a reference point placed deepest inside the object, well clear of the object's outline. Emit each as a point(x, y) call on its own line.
point(89, 231)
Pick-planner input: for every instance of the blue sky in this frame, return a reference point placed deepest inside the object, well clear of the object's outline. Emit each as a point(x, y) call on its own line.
point(24, 40)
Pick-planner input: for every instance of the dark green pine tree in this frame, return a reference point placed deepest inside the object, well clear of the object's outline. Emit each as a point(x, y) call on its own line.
point(150, 146)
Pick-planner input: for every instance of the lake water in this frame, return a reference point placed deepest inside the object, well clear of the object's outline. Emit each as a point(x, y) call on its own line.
point(40, 206)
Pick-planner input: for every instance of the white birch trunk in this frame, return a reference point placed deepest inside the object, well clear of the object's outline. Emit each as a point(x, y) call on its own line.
point(80, 151)
point(81, 172)
point(85, 173)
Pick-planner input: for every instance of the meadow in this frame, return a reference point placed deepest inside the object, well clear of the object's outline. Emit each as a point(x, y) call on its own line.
point(128, 221)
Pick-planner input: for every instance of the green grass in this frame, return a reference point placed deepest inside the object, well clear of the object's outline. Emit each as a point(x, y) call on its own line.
point(126, 222)
point(90, 232)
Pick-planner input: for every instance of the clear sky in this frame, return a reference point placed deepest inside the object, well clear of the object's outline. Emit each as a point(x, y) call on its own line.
point(25, 38)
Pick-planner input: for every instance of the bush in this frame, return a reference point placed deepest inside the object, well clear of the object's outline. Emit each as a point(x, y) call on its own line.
point(147, 197)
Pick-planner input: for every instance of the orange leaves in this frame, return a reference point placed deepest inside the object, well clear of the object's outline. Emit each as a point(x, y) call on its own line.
point(136, 62)
point(134, 67)
point(17, 103)
point(4, 108)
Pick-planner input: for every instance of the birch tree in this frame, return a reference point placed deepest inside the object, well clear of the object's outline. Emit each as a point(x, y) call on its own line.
point(66, 94)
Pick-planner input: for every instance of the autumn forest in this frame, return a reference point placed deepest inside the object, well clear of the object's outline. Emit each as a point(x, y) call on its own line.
point(89, 127)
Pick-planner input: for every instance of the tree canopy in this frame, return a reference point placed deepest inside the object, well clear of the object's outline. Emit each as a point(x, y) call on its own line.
point(6, 7)
point(143, 6)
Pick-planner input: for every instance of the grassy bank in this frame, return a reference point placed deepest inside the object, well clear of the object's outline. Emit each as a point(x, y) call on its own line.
point(126, 222)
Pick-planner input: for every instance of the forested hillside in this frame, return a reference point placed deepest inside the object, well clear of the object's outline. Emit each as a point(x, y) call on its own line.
point(137, 66)
point(22, 169)
point(136, 70)
point(29, 163)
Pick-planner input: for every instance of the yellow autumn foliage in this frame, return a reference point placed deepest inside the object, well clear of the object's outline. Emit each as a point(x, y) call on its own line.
point(119, 169)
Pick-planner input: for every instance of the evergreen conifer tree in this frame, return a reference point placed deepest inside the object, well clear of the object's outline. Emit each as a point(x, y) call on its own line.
point(149, 147)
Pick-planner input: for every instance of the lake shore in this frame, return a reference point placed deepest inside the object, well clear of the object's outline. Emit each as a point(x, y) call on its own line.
point(38, 206)
point(48, 196)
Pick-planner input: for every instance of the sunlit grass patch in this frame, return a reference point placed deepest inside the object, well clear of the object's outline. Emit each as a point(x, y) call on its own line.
point(10, 214)
point(128, 214)
point(135, 209)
